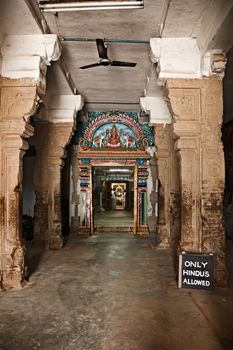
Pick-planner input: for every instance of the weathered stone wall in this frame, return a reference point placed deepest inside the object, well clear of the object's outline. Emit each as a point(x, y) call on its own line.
point(18, 103)
point(197, 110)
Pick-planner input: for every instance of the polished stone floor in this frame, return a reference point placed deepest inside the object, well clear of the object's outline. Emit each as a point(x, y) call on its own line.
point(114, 218)
point(112, 291)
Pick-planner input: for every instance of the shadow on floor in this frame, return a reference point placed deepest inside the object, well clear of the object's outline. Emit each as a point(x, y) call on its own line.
point(34, 256)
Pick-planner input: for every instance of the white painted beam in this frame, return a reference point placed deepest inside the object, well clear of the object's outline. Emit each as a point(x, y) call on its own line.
point(63, 108)
point(176, 57)
point(157, 109)
point(181, 58)
point(27, 56)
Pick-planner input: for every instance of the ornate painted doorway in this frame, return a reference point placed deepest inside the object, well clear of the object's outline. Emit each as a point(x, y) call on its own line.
point(110, 141)
point(114, 194)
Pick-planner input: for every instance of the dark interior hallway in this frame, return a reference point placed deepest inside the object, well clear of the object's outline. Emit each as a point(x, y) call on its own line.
point(111, 292)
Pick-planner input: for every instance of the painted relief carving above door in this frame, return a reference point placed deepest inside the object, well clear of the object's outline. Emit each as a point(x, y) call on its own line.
point(116, 131)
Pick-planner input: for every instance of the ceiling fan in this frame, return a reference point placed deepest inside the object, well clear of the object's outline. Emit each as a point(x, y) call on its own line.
point(104, 60)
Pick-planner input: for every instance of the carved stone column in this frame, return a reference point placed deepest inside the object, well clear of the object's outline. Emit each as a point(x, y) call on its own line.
point(61, 118)
point(23, 70)
point(169, 203)
point(75, 194)
point(19, 100)
point(159, 116)
point(51, 139)
point(41, 183)
point(197, 110)
point(58, 137)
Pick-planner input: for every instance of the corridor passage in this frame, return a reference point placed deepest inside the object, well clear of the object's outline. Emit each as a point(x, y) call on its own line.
point(114, 218)
point(112, 292)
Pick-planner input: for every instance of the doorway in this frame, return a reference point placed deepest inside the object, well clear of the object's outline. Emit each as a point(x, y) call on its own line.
point(113, 193)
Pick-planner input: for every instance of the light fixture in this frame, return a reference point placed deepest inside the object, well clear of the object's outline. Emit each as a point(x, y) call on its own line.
point(119, 170)
point(91, 5)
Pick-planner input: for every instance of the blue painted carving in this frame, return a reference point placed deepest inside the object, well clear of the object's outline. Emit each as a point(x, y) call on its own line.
point(86, 161)
point(113, 130)
point(142, 183)
point(148, 133)
point(140, 161)
point(80, 130)
point(115, 135)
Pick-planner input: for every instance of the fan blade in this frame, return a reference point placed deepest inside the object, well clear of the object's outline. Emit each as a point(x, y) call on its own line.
point(90, 66)
point(123, 64)
point(102, 51)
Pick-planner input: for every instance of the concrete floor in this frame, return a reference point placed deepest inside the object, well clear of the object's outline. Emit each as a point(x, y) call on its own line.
point(112, 292)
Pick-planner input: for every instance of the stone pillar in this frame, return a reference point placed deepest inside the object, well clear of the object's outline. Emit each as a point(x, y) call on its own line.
point(75, 194)
point(197, 110)
point(56, 125)
point(196, 105)
point(169, 201)
point(18, 102)
point(159, 116)
point(41, 183)
point(58, 137)
point(23, 70)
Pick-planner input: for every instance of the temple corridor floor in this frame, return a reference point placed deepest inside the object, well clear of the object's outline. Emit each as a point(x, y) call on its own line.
point(112, 292)
point(114, 218)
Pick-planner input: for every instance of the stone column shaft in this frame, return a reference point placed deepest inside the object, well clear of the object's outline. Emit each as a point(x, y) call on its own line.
point(41, 183)
point(54, 130)
point(19, 99)
point(197, 110)
point(24, 61)
point(58, 137)
point(168, 225)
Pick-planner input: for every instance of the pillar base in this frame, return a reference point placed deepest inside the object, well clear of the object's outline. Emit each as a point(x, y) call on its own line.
point(163, 245)
point(56, 242)
point(12, 279)
point(163, 241)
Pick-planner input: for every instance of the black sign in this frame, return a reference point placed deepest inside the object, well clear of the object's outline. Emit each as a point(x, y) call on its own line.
point(196, 271)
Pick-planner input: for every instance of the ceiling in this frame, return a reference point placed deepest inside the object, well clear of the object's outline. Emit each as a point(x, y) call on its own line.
point(111, 173)
point(118, 88)
point(112, 88)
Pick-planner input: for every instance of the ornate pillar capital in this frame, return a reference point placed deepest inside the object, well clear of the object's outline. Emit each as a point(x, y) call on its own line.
point(182, 58)
point(63, 108)
point(157, 109)
point(27, 56)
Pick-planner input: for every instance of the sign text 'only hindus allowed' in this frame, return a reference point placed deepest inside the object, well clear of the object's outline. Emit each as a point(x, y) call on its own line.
point(196, 271)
